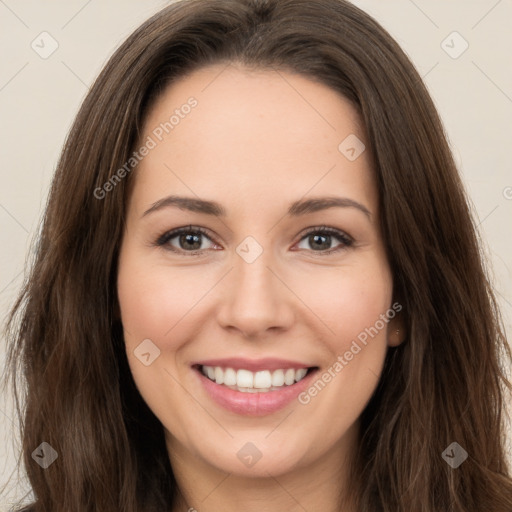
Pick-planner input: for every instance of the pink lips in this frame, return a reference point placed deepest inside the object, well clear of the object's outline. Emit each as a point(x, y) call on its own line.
point(252, 404)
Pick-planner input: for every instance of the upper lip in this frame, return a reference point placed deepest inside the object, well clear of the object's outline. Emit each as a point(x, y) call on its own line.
point(238, 363)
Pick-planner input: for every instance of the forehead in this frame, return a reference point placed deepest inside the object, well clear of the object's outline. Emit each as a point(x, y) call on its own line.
point(252, 133)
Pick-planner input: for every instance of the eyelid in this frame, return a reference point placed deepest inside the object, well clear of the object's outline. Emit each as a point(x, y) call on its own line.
point(325, 229)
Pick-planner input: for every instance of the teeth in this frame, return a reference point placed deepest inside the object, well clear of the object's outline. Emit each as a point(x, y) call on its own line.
point(278, 378)
point(300, 374)
point(254, 382)
point(244, 378)
point(229, 377)
point(289, 377)
point(219, 375)
point(262, 379)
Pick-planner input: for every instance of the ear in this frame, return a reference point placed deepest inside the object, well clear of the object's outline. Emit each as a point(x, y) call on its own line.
point(396, 330)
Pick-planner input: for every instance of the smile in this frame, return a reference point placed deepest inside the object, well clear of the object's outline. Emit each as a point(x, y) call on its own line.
point(253, 388)
point(247, 381)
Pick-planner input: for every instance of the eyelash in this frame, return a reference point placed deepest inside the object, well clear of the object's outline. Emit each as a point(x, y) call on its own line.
point(163, 239)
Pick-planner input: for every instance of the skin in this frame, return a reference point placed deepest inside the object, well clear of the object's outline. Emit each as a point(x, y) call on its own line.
point(257, 141)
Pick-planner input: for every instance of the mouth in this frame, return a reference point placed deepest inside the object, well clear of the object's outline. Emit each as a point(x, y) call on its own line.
point(253, 389)
point(247, 381)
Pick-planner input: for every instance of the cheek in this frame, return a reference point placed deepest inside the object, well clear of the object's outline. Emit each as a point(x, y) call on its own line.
point(154, 300)
point(352, 302)
point(153, 307)
point(349, 301)
point(142, 302)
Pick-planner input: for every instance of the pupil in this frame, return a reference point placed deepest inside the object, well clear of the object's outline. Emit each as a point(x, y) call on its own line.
point(191, 239)
point(316, 237)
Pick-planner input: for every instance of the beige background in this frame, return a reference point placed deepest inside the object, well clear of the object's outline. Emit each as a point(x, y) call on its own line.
point(39, 98)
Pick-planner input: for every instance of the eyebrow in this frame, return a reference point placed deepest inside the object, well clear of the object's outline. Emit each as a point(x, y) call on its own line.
point(296, 209)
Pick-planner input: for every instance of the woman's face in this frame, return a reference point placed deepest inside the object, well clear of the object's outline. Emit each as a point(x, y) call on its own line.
point(265, 291)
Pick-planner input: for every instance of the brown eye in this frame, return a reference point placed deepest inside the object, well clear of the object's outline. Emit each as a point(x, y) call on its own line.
point(189, 239)
point(320, 240)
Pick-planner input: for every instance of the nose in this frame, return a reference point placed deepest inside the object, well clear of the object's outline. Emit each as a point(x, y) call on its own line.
point(256, 299)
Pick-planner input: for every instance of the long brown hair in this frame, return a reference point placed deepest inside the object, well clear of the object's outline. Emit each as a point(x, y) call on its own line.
point(444, 384)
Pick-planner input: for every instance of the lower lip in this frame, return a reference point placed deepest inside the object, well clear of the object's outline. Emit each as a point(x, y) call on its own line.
point(253, 404)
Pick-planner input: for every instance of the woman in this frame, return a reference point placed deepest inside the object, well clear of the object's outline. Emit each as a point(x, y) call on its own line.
point(259, 370)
